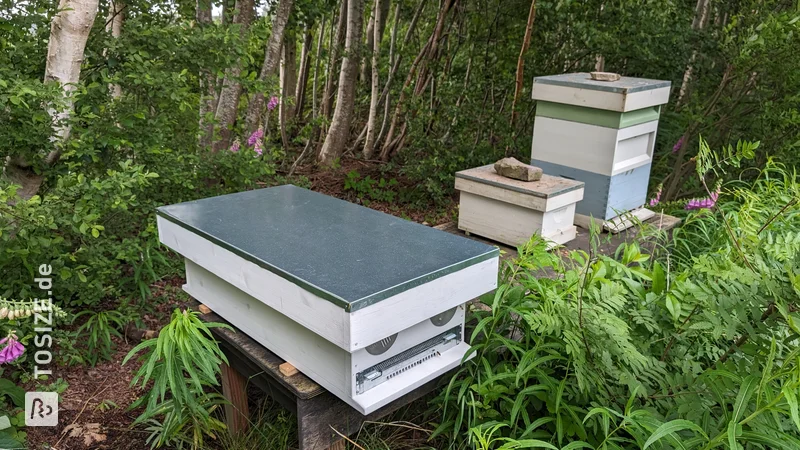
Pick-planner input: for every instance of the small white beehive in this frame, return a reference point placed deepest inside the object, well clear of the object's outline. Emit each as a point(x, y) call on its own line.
point(511, 211)
point(602, 133)
point(368, 305)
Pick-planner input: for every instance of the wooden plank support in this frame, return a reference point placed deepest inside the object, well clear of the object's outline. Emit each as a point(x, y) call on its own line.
point(234, 388)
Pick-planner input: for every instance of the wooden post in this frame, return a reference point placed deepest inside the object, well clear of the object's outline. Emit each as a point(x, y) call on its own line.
point(234, 388)
point(338, 446)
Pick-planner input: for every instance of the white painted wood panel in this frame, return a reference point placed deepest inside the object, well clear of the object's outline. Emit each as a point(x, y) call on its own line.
point(592, 98)
point(396, 313)
point(318, 358)
point(512, 224)
point(311, 311)
point(332, 367)
point(518, 198)
point(592, 148)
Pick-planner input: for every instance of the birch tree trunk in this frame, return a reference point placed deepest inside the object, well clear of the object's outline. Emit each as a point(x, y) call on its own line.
point(208, 88)
point(369, 40)
point(272, 56)
point(302, 78)
point(69, 31)
point(116, 16)
point(345, 98)
point(231, 91)
point(341, 27)
point(698, 23)
point(372, 118)
point(288, 75)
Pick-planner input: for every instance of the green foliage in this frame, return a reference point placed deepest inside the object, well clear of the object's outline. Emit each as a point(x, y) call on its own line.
point(182, 363)
point(12, 415)
point(97, 331)
point(704, 346)
point(366, 188)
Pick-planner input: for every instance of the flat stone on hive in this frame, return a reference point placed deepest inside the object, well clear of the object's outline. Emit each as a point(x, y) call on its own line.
point(604, 76)
point(512, 168)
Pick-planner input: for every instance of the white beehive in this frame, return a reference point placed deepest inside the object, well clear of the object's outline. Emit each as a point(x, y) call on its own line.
point(511, 211)
point(599, 132)
point(368, 305)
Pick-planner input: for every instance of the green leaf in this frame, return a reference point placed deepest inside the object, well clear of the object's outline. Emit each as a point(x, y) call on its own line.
point(772, 442)
point(659, 279)
point(14, 392)
point(791, 400)
point(670, 427)
point(533, 443)
point(749, 386)
point(576, 445)
point(9, 443)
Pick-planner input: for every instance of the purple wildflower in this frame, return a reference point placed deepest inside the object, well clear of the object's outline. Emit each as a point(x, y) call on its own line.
point(657, 199)
point(273, 102)
point(235, 146)
point(704, 203)
point(255, 137)
point(12, 350)
point(677, 145)
point(258, 149)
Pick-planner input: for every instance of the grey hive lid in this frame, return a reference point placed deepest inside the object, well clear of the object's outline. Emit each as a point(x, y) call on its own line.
point(548, 187)
point(583, 80)
point(346, 253)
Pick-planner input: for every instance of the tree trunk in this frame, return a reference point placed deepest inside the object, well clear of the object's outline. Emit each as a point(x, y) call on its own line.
point(69, 31)
point(520, 78)
point(327, 96)
point(392, 58)
point(228, 104)
point(271, 59)
point(116, 16)
point(345, 98)
point(369, 40)
point(208, 88)
point(305, 66)
point(288, 75)
point(369, 145)
point(698, 23)
point(428, 51)
point(314, 103)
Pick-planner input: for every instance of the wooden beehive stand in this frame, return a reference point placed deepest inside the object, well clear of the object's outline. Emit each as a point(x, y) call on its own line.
point(322, 418)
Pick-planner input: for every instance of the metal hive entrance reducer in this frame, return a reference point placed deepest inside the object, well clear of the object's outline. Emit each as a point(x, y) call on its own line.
point(368, 305)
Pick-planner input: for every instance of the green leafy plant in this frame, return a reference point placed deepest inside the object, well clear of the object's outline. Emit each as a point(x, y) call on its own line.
point(97, 330)
point(182, 363)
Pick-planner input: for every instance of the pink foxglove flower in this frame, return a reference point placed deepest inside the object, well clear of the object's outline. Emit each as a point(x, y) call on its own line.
point(657, 199)
point(258, 149)
point(677, 145)
point(273, 102)
point(255, 137)
point(235, 146)
point(704, 203)
point(12, 350)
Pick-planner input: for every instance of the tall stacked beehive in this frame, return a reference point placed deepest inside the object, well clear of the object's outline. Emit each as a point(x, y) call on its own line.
point(601, 133)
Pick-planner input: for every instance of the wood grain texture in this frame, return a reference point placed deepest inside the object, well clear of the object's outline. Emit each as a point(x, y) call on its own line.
point(234, 388)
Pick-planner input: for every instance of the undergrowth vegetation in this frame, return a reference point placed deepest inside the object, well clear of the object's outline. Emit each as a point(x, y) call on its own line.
point(693, 344)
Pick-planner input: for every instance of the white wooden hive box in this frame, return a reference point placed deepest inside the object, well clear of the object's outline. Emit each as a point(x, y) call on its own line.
point(368, 305)
point(511, 211)
point(599, 132)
